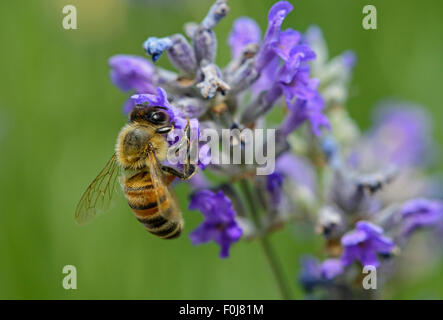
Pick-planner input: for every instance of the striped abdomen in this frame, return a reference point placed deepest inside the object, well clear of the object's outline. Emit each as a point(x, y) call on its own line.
point(153, 207)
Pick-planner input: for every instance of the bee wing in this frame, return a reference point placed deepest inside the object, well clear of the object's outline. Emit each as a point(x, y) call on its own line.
point(159, 183)
point(98, 195)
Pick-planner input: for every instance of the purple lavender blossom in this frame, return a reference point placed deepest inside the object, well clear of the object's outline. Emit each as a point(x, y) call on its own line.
point(331, 268)
point(402, 131)
point(364, 243)
point(315, 273)
point(267, 79)
point(349, 59)
point(276, 15)
point(274, 185)
point(219, 225)
point(310, 275)
point(300, 85)
point(199, 182)
point(299, 171)
point(305, 110)
point(132, 73)
point(244, 31)
point(420, 213)
point(292, 77)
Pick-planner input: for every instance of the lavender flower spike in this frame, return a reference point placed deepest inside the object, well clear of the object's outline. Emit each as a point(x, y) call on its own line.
point(364, 243)
point(420, 213)
point(219, 225)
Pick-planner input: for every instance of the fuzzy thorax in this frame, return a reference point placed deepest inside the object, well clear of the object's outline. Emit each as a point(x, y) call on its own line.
point(133, 143)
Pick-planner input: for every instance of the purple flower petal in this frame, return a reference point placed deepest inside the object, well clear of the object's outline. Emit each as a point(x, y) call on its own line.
point(244, 31)
point(305, 110)
point(420, 213)
point(276, 16)
point(219, 225)
point(364, 243)
point(274, 185)
point(402, 134)
point(353, 238)
point(299, 171)
point(368, 258)
point(331, 268)
point(132, 73)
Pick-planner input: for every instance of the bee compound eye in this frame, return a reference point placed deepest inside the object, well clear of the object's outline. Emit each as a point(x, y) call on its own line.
point(158, 117)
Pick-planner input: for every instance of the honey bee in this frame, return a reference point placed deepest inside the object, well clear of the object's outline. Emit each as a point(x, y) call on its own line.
point(141, 148)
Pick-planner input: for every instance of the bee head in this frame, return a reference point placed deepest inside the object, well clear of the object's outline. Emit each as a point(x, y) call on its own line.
point(157, 116)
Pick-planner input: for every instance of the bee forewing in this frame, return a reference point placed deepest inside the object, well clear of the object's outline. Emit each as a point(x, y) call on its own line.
point(97, 197)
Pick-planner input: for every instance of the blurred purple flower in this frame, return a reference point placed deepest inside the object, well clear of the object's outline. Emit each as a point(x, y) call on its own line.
point(331, 268)
point(299, 171)
point(274, 185)
point(244, 31)
point(349, 59)
point(310, 274)
point(403, 132)
point(420, 213)
point(314, 274)
point(364, 243)
point(199, 182)
point(219, 225)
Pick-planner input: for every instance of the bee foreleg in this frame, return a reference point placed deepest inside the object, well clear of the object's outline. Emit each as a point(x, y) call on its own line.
point(185, 175)
point(189, 169)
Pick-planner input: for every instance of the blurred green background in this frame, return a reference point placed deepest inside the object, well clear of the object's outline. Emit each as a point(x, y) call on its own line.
point(59, 117)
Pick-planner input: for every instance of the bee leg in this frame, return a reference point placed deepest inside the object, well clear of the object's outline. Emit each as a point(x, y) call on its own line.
point(185, 175)
point(189, 169)
point(184, 139)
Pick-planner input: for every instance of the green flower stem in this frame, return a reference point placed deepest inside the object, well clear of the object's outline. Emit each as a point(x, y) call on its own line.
point(265, 243)
point(275, 267)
